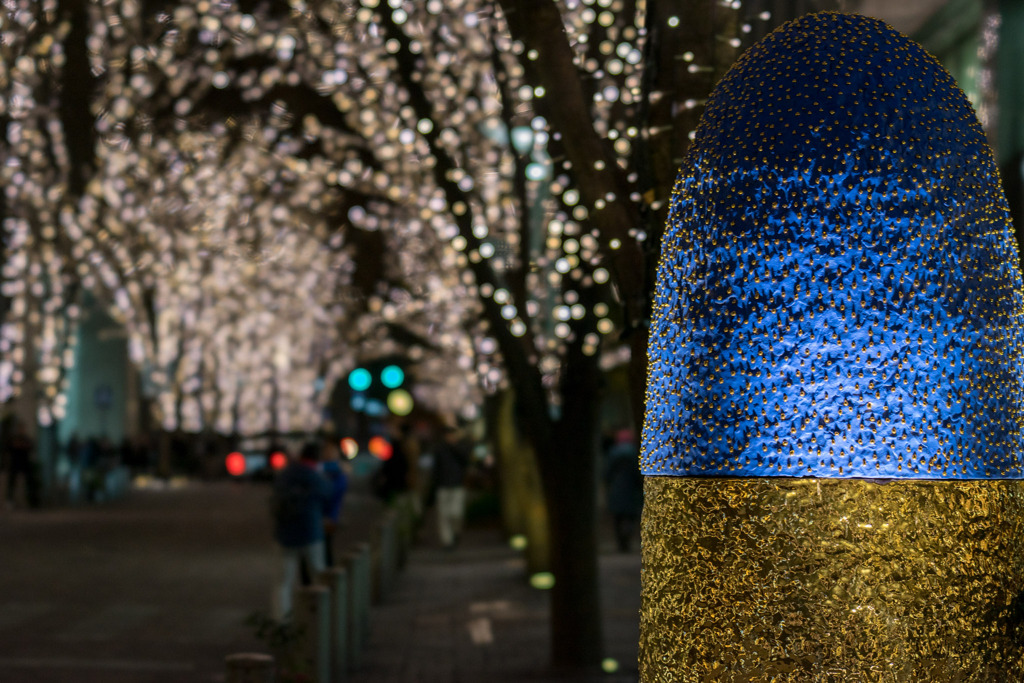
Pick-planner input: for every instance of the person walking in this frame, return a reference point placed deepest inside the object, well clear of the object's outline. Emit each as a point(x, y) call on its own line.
point(450, 463)
point(20, 453)
point(624, 487)
point(391, 482)
point(299, 503)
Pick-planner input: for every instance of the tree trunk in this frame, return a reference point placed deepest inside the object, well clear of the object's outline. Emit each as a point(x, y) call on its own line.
point(569, 470)
point(524, 509)
point(576, 633)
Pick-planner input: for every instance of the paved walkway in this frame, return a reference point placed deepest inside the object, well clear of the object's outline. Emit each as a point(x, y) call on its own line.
point(156, 589)
point(469, 616)
point(152, 589)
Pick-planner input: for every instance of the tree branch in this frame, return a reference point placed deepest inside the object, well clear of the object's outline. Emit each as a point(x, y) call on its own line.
point(566, 105)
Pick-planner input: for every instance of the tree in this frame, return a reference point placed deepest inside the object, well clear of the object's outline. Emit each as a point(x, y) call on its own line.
point(270, 187)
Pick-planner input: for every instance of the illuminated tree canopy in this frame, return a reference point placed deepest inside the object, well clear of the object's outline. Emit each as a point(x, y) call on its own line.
point(235, 165)
point(218, 233)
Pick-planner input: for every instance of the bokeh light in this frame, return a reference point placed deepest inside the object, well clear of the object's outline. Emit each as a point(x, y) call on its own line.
point(392, 376)
point(226, 224)
point(349, 447)
point(234, 463)
point(360, 379)
point(278, 460)
point(400, 402)
point(380, 448)
point(542, 580)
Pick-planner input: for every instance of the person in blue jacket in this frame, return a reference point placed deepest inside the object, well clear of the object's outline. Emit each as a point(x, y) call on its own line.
point(337, 471)
point(299, 502)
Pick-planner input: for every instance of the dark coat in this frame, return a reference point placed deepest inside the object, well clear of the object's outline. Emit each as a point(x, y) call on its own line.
point(450, 463)
point(625, 484)
point(301, 499)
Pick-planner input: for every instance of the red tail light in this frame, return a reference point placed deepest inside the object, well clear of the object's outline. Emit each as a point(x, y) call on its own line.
point(278, 460)
point(235, 464)
point(380, 447)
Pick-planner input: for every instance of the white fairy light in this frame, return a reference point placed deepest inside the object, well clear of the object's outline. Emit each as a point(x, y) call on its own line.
point(233, 263)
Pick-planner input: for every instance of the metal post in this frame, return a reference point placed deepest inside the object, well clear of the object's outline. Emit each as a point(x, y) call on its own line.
point(388, 554)
point(406, 524)
point(376, 564)
point(337, 581)
point(312, 617)
point(355, 624)
point(364, 592)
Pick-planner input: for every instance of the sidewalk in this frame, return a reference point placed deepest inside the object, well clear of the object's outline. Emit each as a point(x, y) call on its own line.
point(155, 588)
point(470, 616)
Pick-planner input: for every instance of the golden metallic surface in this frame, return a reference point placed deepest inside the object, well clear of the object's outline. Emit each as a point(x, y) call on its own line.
point(778, 579)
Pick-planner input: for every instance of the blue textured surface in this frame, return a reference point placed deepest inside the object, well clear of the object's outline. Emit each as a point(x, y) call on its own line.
point(838, 293)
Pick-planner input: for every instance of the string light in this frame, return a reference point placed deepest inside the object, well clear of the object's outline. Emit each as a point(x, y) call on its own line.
point(208, 235)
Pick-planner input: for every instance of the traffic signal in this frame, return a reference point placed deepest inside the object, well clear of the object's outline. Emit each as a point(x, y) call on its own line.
point(379, 387)
point(392, 376)
point(360, 379)
point(400, 402)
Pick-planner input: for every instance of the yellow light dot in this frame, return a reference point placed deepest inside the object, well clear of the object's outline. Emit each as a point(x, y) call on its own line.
point(543, 581)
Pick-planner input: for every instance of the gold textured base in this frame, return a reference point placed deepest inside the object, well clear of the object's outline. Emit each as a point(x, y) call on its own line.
point(778, 579)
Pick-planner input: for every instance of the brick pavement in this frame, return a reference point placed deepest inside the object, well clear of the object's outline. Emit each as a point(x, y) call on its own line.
point(469, 616)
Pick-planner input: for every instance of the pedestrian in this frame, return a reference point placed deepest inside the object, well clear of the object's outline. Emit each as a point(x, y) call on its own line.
point(412, 449)
point(624, 487)
point(20, 453)
point(299, 502)
point(451, 461)
point(391, 482)
point(337, 471)
point(89, 465)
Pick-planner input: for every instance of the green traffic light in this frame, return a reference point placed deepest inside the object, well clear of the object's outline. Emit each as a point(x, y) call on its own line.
point(392, 376)
point(360, 379)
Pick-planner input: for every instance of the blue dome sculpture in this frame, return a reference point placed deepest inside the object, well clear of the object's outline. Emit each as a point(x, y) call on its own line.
point(839, 292)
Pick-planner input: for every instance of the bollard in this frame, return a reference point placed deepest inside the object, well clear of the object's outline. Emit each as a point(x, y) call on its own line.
point(249, 667)
point(387, 555)
point(834, 463)
point(357, 594)
point(406, 524)
point(337, 581)
point(353, 647)
point(363, 592)
point(395, 557)
point(312, 617)
point(376, 562)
